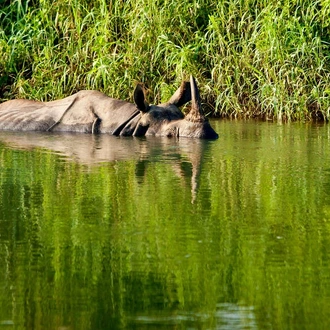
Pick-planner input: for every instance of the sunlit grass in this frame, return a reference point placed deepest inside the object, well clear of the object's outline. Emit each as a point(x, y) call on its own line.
point(250, 58)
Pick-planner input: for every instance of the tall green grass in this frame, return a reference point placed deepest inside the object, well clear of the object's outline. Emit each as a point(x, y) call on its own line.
point(250, 57)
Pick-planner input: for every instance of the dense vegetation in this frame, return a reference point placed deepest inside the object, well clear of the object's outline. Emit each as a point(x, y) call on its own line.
point(267, 58)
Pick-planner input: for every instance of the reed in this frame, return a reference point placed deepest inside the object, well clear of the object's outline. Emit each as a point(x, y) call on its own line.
point(251, 58)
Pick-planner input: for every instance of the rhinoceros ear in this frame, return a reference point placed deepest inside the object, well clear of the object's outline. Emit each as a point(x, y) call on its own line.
point(182, 95)
point(139, 99)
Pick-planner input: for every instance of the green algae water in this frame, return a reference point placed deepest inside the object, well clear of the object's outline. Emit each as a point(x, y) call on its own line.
point(100, 232)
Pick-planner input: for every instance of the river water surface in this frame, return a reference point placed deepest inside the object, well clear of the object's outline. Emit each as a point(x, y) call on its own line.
point(100, 232)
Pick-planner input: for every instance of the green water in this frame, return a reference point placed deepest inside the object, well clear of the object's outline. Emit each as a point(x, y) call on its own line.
point(100, 232)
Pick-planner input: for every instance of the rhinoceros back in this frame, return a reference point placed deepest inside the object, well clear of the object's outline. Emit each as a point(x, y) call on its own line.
point(28, 115)
point(86, 111)
point(95, 112)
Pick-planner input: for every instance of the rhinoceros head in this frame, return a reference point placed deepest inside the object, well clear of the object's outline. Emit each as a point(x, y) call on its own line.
point(168, 120)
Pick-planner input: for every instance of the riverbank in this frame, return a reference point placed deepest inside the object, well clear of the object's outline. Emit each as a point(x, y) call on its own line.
point(268, 59)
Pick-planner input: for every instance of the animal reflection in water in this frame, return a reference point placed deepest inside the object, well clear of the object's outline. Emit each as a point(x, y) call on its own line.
point(184, 156)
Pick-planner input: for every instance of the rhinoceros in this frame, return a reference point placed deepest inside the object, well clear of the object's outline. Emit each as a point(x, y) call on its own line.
point(94, 112)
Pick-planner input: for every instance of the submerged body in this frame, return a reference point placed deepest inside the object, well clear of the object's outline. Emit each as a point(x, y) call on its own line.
point(95, 112)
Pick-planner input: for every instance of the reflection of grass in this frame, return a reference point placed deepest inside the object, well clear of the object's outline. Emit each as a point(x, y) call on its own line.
point(267, 58)
point(97, 245)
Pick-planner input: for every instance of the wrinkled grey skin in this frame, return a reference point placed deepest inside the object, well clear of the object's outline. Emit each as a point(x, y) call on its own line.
point(94, 112)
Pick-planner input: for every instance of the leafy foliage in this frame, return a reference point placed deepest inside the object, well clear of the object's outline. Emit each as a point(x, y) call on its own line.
point(251, 58)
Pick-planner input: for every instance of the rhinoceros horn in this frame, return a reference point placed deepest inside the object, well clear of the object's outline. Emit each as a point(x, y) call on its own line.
point(195, 114)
